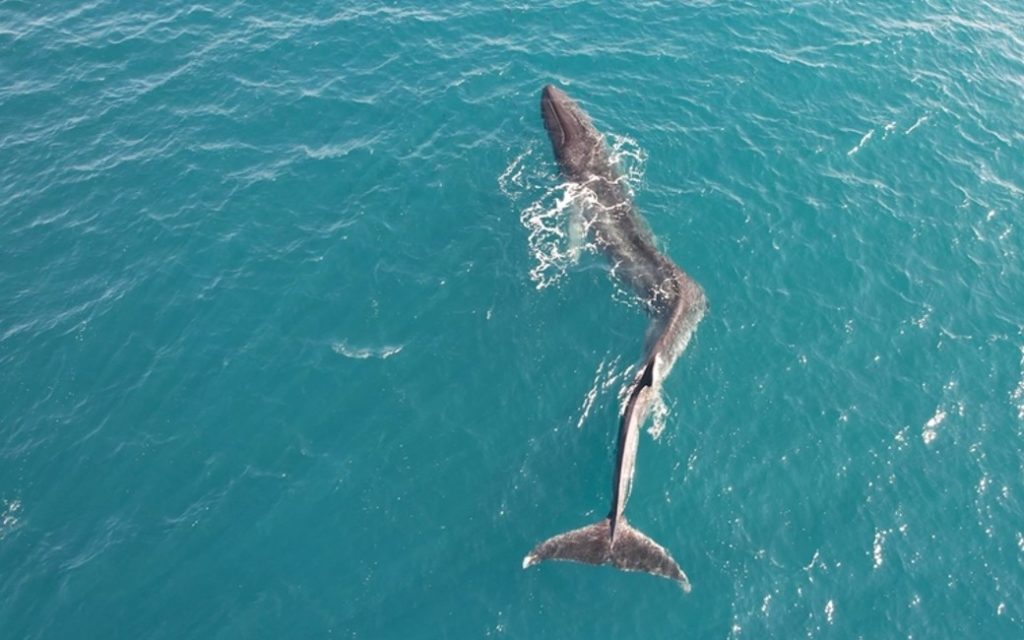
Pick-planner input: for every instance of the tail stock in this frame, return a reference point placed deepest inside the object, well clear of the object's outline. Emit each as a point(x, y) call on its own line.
point(630, 550)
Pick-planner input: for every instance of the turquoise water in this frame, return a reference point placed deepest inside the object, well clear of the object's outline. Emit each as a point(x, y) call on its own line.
point(290, 346)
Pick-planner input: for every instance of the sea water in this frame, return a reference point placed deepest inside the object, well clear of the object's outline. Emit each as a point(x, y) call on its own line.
point(294, 342)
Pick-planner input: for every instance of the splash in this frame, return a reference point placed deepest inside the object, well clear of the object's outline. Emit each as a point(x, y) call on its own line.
point(554, 215)
point(657, 410)
point(629, 157)
point(658, 416)
point(544, 211)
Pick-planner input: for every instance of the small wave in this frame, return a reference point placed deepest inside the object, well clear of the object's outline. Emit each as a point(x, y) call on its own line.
point(365, 353)
point(606, 376)
point(863, 141)
point(331, 151)
point(917, 124)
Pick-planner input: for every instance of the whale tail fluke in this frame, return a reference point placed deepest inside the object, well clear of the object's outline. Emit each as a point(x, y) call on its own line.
point(630, 550)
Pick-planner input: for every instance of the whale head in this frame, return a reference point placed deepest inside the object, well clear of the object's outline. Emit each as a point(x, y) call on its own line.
point(575, 141)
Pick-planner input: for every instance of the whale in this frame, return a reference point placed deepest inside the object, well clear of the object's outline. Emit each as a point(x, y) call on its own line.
point(675, 304)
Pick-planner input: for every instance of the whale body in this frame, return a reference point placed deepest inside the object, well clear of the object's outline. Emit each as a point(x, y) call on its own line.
point(675, 304)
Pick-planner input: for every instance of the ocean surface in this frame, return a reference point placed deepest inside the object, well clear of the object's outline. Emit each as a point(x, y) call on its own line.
point(294, 342)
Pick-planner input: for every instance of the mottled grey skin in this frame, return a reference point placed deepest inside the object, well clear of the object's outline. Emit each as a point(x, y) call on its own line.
point(673, 300)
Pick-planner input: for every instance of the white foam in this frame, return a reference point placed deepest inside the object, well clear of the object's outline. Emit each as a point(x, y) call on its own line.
point(659, 416)
point(546, 220)
point(931, 428)
point(541, 213)
point(877, 548)
point(364, 353)
point(549, 213)
point(629, 157)
point(9, 516)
